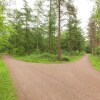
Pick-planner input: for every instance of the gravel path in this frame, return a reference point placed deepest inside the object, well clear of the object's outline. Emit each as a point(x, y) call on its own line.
point(71, 81)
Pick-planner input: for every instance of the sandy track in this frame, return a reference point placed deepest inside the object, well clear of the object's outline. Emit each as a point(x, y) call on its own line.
point(72, 81)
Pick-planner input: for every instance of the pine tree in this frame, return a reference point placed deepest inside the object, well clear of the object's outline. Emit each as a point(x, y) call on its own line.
point(75, 37)
point(26, 22)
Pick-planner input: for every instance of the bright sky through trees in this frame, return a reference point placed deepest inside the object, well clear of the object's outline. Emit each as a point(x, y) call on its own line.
point(84, 9)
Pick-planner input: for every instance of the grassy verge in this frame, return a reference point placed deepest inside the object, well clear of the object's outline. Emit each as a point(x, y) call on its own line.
point(7, 91)
point(75, 58)
point(47, 58)
point(95, 61)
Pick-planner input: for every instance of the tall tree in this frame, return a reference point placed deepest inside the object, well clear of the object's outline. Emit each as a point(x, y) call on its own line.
point(94, 28)
point(75, 37)
point(52, 24)
point(92, 34)
point(50, 30)
point(38, 22)
point(26, 21)
point(59, 30)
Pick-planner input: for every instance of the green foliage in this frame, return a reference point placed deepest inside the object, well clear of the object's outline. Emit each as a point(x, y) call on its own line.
point(7, 91)
point(30, 30)
point(74, 58)
point(18, 51)
point(74, 38)
point(95, 60)
point(97, 50)
point(38, 57)
point(76, 53)
point(97, 10)
point(94, 29)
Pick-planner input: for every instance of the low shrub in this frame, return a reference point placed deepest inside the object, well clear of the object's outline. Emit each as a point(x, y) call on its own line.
point(97, 51)
point(65, 59)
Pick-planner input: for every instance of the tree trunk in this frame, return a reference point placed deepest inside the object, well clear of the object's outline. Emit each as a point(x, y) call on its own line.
point(59, 34)
point(16, 40)
point(37, 40)
point(50, 30)
point(26, 36)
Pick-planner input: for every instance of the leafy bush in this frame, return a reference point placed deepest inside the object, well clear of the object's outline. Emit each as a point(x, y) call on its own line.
point(97, 51)
point(18, 51)
point(82, 53)
point(48, 56)
point(65, 59)
point(76, 53)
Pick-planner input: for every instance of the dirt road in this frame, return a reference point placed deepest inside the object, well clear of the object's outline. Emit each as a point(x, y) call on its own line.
point(72, 81)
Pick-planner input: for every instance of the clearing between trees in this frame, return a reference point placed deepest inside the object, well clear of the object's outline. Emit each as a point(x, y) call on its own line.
point(71, 81)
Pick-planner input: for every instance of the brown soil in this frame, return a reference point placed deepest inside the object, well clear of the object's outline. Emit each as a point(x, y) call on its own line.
point(72, 81)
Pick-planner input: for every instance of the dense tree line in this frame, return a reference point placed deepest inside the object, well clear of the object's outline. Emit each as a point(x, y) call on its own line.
point(94, 29)
point(50, 26)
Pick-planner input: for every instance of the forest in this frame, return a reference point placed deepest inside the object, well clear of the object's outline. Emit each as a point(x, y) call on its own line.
point(50, 29)
point(45, 54)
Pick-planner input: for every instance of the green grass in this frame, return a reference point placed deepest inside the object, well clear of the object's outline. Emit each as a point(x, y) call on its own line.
point(7, 91)
point(47, 58)
point(95, 61)
point(75, 58)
